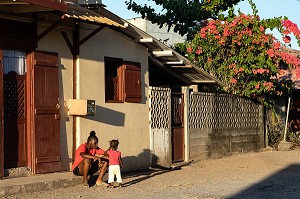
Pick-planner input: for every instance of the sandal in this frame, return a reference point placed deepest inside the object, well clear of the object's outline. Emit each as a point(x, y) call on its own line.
point(102, 184)
point(111, 186)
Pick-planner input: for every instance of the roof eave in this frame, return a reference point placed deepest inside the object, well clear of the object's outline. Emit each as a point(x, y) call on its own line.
point(47, 4)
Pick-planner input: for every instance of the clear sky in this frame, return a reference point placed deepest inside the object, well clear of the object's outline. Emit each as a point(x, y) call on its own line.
point(266, 9)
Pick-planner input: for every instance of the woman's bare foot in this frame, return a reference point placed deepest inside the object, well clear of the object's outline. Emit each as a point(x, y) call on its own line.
point(99, 183)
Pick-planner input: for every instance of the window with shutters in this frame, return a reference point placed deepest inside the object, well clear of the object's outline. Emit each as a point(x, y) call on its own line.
point(122, 81)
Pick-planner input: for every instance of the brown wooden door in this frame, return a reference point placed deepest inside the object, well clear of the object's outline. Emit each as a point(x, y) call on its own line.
point(15, 121)
point(46, 152)
point(177, 127)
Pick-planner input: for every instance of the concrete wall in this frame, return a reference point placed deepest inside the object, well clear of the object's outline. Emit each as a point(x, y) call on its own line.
point(222, 125)
point(216, 143)
point(162, 34)
point(127, 122)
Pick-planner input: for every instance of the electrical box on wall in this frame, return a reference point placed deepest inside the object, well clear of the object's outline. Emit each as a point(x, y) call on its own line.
point(81, 107)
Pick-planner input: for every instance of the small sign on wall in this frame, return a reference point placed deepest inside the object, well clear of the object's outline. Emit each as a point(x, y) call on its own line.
point(81, 107)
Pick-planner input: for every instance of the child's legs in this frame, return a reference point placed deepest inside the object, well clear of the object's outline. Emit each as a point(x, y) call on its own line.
point(111, 175)
point(118, 174)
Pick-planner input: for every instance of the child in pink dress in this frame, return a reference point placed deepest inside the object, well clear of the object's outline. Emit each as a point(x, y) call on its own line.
point(115, 162)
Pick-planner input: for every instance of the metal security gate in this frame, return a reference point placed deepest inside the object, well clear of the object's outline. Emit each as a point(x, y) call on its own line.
point(160, 126)
point(177, 127)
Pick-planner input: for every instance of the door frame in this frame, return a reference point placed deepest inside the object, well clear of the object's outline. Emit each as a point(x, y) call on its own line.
point(27, 110)
point(177, 128)
point(30, 110)
point(27, 46)
point(1, 116)
point(46, 163)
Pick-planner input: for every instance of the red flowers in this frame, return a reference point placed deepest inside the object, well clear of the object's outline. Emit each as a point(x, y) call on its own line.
point(261, 28)
point(268, 85)
point(276, 45)
point(260, 71)
point(290, 27)
point(286, 39)
point(271, 52)
point(189, 49)
point(233, 81)
point(290, 59)
point(198, 52)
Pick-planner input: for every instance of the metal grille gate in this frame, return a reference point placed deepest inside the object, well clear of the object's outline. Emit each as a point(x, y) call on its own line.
point(160, 125)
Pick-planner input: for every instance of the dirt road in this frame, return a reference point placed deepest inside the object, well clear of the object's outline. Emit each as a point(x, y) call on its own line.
point(273, 174)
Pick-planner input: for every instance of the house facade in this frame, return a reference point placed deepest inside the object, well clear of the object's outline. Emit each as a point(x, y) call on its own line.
point(52, 53)
point(67, 70)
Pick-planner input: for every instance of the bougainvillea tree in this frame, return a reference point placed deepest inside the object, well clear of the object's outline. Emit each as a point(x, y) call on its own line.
point(238, 51)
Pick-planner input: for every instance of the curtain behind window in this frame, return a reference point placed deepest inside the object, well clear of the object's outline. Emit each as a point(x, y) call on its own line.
point(14, 60)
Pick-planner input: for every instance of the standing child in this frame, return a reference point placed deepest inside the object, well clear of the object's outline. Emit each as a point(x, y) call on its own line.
point(115, 162)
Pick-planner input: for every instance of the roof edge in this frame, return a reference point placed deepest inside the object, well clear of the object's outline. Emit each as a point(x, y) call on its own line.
point(47, 4)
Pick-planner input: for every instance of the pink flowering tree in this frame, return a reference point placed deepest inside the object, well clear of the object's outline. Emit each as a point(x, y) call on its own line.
point(239, 52)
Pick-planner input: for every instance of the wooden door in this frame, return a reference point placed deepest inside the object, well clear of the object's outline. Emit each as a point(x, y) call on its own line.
point(15, 121)
point(177, 107)
point(46, 149)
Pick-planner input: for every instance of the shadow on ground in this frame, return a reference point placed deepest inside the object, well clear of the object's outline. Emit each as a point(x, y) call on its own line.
point(137, 176)
point(144, 175)
point(283, 184)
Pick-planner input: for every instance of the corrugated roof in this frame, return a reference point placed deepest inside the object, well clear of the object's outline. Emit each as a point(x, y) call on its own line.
point(78, 12)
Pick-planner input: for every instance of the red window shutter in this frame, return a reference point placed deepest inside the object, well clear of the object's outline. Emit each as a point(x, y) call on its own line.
point(132, 83)
point(120, 94)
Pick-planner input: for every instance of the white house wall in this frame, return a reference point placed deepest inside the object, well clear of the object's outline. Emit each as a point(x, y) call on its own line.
point(162, 34)
point(127, 122)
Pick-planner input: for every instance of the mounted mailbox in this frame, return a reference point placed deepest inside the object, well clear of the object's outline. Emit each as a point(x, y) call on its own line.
point(81, 107)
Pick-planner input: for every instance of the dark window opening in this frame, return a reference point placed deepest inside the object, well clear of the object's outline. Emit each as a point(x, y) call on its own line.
point(122, 80)
point(111, 79)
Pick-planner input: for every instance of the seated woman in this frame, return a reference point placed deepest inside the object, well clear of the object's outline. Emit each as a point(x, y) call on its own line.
point(89, 159)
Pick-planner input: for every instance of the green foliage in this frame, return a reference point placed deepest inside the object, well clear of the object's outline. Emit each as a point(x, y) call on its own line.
point(275, 126)
point(183, 15)
point(294, 138)
point(180, 48)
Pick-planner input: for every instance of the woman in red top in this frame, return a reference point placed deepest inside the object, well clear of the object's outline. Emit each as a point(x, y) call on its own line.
point(89, 160)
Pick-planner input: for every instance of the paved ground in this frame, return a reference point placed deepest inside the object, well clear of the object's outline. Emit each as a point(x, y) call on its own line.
point(273, 174)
